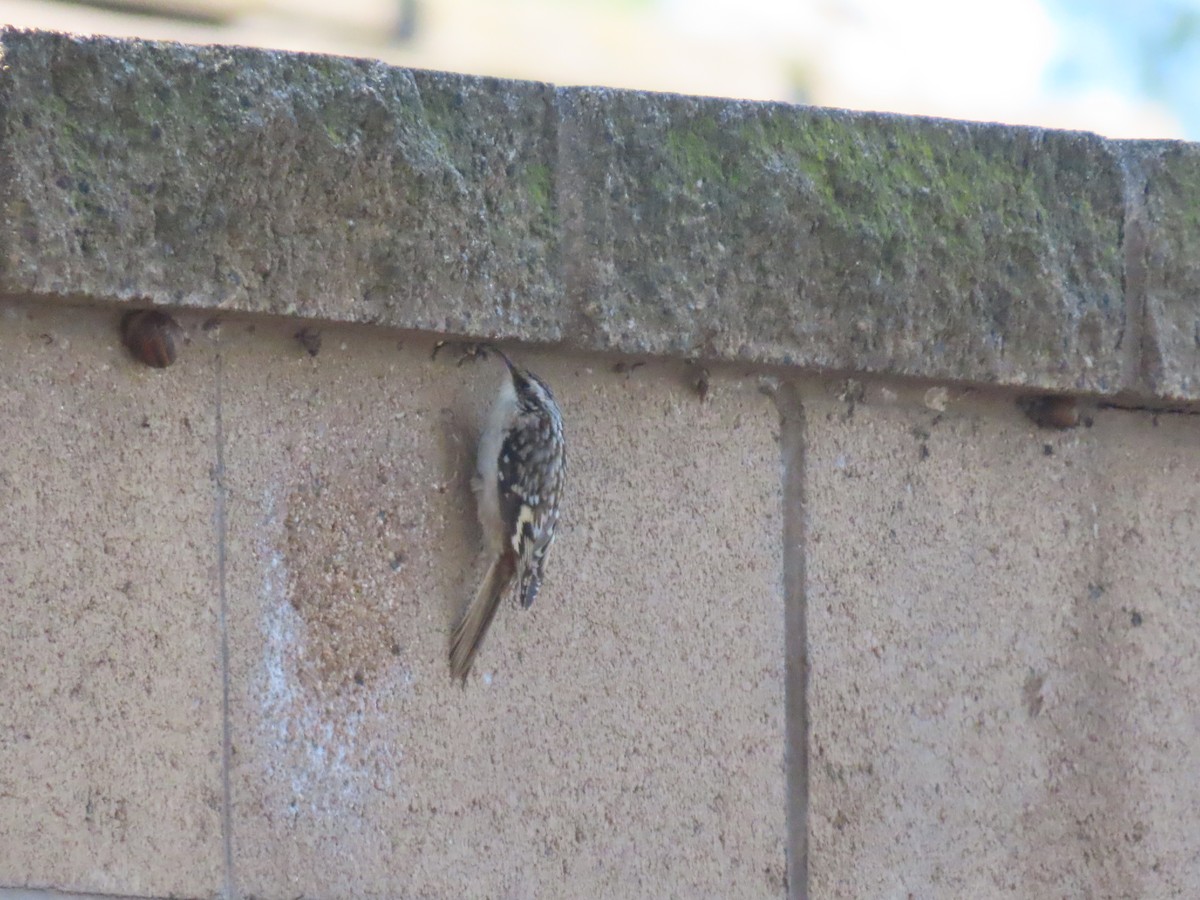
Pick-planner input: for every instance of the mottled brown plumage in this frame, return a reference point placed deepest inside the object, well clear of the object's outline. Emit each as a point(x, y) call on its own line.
point(521, 468)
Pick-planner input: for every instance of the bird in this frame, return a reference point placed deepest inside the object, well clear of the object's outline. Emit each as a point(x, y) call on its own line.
point(520, 472)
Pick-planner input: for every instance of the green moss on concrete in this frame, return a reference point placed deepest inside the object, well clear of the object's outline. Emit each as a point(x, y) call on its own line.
point(273, 182)
point(1174, 196)
point(727, 228)
point(1169, 175)
point(877, 178)
point(856, 236)
point(539, 187)
point(694, 149)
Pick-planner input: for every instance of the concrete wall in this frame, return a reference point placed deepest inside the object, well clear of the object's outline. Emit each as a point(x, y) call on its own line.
point(829, 615)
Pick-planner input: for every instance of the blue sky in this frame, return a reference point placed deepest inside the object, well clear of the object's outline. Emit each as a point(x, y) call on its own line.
point(1149, 48)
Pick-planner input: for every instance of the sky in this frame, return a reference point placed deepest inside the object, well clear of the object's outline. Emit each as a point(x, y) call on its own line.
point(1147, 49)
point(1125, 68)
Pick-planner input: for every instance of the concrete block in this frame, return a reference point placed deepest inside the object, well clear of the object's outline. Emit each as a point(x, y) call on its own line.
point(273, 182)
point(1003, 634)
point(110, 663)
point(347, 190)
point(39, 894)
point(1166, 259)
point(622, 738)
point(832, 239)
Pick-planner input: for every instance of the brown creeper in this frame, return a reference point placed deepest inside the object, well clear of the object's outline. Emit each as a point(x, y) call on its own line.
point(519, 481)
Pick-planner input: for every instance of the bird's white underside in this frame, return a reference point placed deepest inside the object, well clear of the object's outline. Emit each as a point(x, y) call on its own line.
point(500, 420)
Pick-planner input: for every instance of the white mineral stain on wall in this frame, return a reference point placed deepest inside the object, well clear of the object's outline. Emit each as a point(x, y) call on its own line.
point(318, 758)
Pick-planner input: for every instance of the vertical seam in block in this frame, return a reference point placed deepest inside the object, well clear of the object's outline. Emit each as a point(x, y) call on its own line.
point(579, 255)
point(226, 739)
point(566, 203)
point(793, 436)
point(1134, 356)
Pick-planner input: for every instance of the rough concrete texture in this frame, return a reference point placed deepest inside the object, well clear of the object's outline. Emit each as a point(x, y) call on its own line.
point(276, 182)
point(110, 665)
point(623, 738)
point(347, 190)
point(844, 240)
point(1166, 260)
point(42, 894)
point(1003, 636)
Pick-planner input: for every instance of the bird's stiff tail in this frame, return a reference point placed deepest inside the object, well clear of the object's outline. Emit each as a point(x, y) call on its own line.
point(468, 636)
